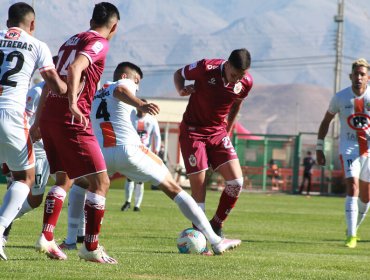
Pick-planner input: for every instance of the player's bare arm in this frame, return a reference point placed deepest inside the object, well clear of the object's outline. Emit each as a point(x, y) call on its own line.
point(180, 84)
point(73, 81)
point(323, 131)
point(54, 82)
point(234, 110)
point(123, 94)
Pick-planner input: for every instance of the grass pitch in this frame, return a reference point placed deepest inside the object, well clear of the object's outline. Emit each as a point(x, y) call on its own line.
point(284, 237)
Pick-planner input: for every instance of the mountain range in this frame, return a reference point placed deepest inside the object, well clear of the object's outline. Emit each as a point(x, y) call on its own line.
point(292, 43)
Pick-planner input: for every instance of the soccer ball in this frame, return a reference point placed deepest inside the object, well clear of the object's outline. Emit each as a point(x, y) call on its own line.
point(191, 241)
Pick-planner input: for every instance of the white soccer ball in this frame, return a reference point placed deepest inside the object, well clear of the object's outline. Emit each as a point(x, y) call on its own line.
point(191, 241)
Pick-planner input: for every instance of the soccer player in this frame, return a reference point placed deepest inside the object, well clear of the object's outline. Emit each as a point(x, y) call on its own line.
point(148, 129)
point(70, 145)
point(216, 95)
point(20, 55)
point(124, 152)
point(308, 163)
point(42, 170)
point(352, 106)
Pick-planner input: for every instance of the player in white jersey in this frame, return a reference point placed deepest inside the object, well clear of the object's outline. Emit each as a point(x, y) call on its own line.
point(124, 152)
point(353, 106)
point(42, 170)
point(148, 129)
point(20, 55)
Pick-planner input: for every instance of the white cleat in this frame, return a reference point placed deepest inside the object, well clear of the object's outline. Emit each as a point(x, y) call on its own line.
point(225, 245)
point(50, 248)
point(2, 254)
point(99, 255)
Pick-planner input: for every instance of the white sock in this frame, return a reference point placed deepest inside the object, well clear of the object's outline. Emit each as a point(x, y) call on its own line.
point(12, 202)
point(129, 189)
point(81, 225)
point(76, 202)
point(351, 208)
point(191, 210)
point(363, 208)
point(26, 207)
point(202, 206)
point(139, 194)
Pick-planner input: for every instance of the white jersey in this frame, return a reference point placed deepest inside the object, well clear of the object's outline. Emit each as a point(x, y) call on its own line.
point(111, 118)
point(354, 116)
point(20, 55)
point(148, 129)
point(32, 101)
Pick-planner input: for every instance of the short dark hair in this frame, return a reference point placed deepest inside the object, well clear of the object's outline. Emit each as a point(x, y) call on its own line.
point(240, 59)
point(18, 11)
point(126, 67)
point(103, 12)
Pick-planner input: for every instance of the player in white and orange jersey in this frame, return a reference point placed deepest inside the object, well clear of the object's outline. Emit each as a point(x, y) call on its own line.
point(20, 55)
point(148, 129)
point(124, 152)
point(353, 106)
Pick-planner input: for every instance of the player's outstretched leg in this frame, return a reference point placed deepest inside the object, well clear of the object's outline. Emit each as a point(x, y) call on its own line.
point(190, 210)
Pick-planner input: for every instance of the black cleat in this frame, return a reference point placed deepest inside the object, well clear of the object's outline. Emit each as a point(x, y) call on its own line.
point(80, 239)
point(126, 206)
point(137, 209)
point(218, 231)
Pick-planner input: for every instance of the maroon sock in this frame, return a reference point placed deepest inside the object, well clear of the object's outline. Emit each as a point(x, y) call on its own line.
point(227, 202)
point(53, 206)
point(94, 214)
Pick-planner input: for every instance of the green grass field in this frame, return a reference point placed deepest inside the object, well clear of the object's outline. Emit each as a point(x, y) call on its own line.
point(284, 237)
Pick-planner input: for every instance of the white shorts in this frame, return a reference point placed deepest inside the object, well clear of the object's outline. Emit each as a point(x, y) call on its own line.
point(42, 172)
point(16, 148)
point(136, 162)
point(356, 166)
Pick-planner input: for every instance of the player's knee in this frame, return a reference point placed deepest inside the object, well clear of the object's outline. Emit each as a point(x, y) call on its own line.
point(234, 187)
point(35, 201)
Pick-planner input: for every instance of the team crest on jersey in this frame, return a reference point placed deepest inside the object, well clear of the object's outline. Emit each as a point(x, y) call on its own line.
point(212, 81)
point(13, 34)
point(359, 121)
point(237, 87)
point(97, 47)
point(193, 65)
point(192, 160)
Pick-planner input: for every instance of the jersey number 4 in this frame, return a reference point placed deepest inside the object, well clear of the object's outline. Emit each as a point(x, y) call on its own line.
point(102, 111)
point(5, 81)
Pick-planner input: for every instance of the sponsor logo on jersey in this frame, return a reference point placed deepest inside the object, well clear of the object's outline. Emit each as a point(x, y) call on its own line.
point(97, 47)
point(193, 65)
point(358, 121)
point(192, 160)
point(212, 81)
point(237, 87)
point(13, 34)
point(211, 67)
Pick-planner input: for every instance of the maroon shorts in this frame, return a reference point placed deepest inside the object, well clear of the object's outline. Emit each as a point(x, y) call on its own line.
point(71, 149)
point(200, 150)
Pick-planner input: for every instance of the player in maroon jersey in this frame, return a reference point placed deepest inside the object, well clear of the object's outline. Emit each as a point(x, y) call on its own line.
point(219, 89)
point(71, 147)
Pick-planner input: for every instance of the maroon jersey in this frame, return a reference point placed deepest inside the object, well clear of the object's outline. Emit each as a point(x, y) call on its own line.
point(210, 104)
point(95, 48)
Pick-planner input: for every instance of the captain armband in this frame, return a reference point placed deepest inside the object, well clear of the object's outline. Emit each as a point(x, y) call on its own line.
point(320, 144)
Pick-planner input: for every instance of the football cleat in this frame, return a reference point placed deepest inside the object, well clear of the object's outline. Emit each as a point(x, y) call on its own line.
point(137, 209)
point(99, 255)
point(351, 242)
point(2, 254)
point(126, 206)
point(66, 246)
point(80, 238)
point(225, 245)
point(218, 231)
point(207, 252)
point(50, 248)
